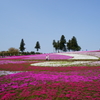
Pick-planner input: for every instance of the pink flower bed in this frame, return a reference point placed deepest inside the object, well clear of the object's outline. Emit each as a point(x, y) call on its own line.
point(13, 57)
point(15, 62)
point(39, 56)
point(33, 78)
point(9, 61)
point(51, 56)
point(55, 91)
point(48, 83)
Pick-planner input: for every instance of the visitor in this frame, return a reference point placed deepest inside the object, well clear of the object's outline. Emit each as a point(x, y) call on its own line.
point(47, 57)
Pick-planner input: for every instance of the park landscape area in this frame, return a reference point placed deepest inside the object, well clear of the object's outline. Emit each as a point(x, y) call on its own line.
point(65, 76)
point(49, 50)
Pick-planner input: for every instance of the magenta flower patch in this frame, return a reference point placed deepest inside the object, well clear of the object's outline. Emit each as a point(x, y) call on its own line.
point(40, 56)
point(48, 83)
point(51, 56)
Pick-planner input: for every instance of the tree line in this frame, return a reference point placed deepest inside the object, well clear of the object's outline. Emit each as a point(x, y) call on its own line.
point(13, 51)
point(22, 46)
point(63, 45)
point(60, 45)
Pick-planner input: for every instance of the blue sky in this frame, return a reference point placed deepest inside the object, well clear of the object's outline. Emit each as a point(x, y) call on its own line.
point(47, 20)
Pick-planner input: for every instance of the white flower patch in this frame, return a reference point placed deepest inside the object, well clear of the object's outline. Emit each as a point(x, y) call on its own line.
point(59, 63)
point(9, 72)
point(79, 56)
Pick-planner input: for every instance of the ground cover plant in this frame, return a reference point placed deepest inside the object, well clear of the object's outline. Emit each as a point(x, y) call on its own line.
point(52, 56)
point(19, 80)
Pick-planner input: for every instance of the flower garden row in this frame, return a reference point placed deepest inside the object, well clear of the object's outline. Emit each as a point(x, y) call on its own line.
point(78, 84)
point(69, 82)
point(59, 56)
point(52, 63)
point(33, 78)
point(38, 57)
point(55, 91)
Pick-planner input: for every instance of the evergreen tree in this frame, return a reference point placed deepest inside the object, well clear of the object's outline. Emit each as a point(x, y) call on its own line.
point(56, 45)
point(37, 45)
point(74, 44)
point(69, 45)
point(62, 43)
point(22, 44)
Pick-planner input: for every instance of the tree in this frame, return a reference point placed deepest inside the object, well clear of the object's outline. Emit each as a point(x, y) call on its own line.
point(13, 51)
point(22, 44)
point(56, 45)
point(74, 44)
point(69, 45)
point(37, 45)
point(62, 43)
